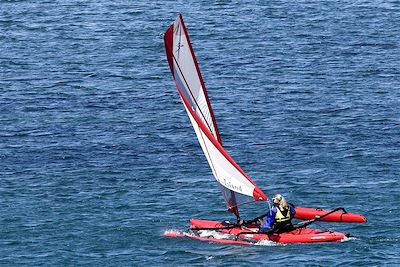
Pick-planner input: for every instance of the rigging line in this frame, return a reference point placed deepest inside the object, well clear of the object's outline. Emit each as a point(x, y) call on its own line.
point(244, 203)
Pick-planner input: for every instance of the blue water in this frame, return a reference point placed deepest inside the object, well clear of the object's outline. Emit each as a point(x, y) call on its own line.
point(98, 158)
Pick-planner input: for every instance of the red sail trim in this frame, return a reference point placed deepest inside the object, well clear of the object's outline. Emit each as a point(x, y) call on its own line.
point(201, 81)
point(168, 43)
point(258, 195)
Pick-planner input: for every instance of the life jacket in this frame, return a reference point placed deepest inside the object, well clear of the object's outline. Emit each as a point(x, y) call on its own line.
point(282, 222)
point(282, 215)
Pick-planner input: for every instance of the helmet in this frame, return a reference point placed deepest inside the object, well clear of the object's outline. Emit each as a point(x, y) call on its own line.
point(277, 198)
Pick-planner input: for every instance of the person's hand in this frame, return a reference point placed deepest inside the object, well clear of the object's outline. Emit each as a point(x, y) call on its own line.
point(265, 230)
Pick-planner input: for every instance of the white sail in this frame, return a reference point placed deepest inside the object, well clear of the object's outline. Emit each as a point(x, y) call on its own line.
point(192, 91)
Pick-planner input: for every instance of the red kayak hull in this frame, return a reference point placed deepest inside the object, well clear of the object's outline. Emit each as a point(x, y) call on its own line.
point(209, 239)
point(304, 235)
point(338, 216)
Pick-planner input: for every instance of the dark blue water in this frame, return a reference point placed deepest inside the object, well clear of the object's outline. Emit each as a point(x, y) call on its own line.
point(98, 158)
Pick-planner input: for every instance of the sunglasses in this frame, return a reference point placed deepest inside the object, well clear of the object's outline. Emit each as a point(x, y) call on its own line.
point(277, 199)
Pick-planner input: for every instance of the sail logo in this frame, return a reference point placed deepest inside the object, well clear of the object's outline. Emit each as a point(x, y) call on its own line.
point(230, 185)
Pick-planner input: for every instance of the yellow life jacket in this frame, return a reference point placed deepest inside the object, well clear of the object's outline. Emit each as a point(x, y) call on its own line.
point(280, 217)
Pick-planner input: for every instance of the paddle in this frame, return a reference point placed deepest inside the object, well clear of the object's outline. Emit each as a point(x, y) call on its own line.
point(215, 228)
point(307, 223)
point(229, 226)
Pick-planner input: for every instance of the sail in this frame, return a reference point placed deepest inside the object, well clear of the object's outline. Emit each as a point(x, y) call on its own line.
point(191, 88)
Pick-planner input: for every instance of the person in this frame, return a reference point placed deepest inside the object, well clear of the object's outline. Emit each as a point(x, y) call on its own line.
point(279, 219)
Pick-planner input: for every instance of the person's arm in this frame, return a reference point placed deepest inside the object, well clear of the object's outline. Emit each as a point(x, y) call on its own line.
point(267, 226)
point(292, 211)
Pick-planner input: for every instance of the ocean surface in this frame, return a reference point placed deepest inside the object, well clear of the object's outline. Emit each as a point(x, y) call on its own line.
point(98, 158)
